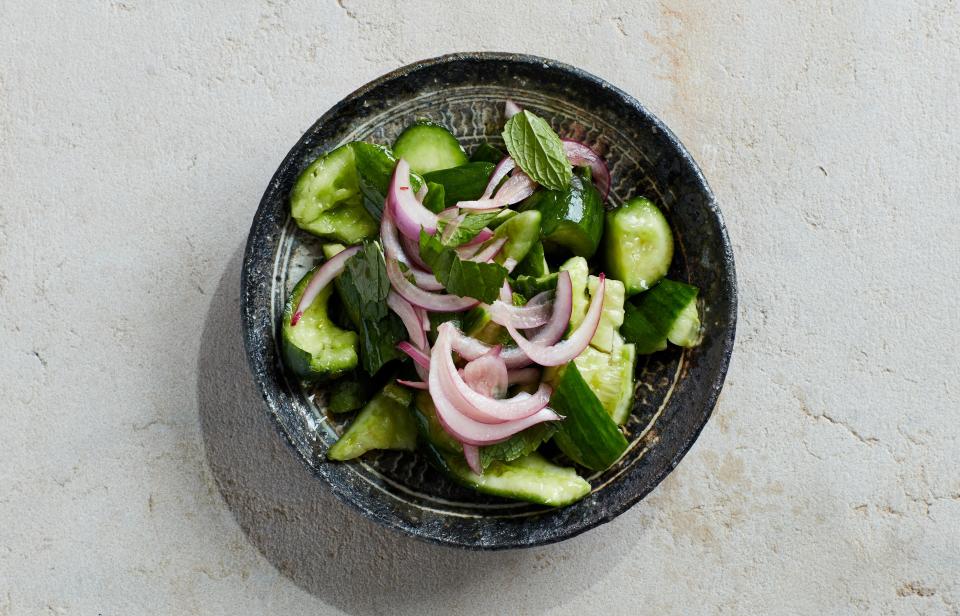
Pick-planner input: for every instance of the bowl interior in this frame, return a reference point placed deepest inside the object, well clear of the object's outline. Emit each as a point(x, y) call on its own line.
point(676, 389)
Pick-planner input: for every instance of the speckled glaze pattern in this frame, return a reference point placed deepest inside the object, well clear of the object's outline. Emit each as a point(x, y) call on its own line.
point(676, 389)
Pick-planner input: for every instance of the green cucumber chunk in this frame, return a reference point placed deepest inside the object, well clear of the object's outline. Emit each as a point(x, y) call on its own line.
point(428, 147)
point(528, 286)
point(486, 152)
point(611, 317)
point(436, 198)
point(587, 433)
point(572, 217)
point(326, 199)
point(668, 311)
point(530, 478)
point(332, 250)
point(316, 349)
point(349, 393)
point(463, 183)
point(579, 273)
point(610, 376)
point(384, 423)
point(521, 231)
point(429, 426)
point(375, 165)
point(639, 245)
point(535, 263)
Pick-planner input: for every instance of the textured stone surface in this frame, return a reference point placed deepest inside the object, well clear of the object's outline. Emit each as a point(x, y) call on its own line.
point(135, 141)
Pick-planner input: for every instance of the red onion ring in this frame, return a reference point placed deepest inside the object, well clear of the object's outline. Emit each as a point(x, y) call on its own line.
point(534, 314)
point(503, 167)
point(471, 453)
point(581, 155)
point(392, 246)
point(407, 314)
point(461, 427)
point(413, 384)
point(566, 350)
point(523, 376)
point(511, 109)
point(409, 214)
point(514, 190)
point(320, 279)
point(420, 357)
point(487, 374)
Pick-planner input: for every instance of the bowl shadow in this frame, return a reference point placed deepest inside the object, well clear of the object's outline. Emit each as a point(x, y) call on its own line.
point(334, 553)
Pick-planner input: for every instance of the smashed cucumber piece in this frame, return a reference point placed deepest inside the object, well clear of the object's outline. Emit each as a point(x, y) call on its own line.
point(639, 245)
point(610, 376)
point(530, 478)
point(521, 231)
point(666, 312)
point(384, 423)
point(316, 349)
point(326, 199)
point(427, 146)
point(584, 285)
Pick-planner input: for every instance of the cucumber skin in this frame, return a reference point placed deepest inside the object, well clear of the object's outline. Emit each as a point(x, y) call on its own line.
point(464, 183)
point(638, 254)
point(428, 146)
point(300, 361)
point(587, 434)
point(650, 318)
point(534, 264)
point(521, 231)
point(573, 218)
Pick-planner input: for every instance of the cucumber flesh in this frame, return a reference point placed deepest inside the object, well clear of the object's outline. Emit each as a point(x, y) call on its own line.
point(316, 349)
point(429, 426)
point(587, 433)
point(612, 315)
point(429, 147)
point(530, 478)
point(610, 377)
point(521, 231)
point(667, 311)
point(478, 324)
point(326, 199)
point(579, 273)
point(639, 245)
point(384, 423)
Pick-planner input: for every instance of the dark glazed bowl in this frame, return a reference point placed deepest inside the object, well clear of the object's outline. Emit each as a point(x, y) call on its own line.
point(676, 388)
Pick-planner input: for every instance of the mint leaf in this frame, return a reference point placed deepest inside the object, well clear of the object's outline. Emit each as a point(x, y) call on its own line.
point(374, 164)
point(363, 288)
point(459, 277)
point(518, 445)
point(468, 228)
point(537, 149)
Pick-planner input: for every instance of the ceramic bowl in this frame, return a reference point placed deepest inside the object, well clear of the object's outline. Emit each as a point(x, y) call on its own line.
point(676, 388)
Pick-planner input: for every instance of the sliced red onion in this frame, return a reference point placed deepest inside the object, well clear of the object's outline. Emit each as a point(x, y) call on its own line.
point(392, 246)
point(408, 290)
point(422, 193)
point(424, 317)
point(461, 427)
point(484, 235)
point(523, 376)
point(514, 190)
point(411, 320)
point(581, 155)
point(488, 252)
point(503, 167)
point(420, 357)
point(409, 214)
point(487, 374)
point(435, 302)
point(413, 384)
point(471, 453)
point(411, 249)
point(511, 109)
point(567, 350)
point(321, 278)
point(471, 348)
point(476, 405)
point(536, 313)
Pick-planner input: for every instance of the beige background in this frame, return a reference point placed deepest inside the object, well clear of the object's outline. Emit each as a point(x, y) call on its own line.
point(135, 141)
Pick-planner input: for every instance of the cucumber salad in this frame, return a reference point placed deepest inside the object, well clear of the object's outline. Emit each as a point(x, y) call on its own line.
point(486, 310)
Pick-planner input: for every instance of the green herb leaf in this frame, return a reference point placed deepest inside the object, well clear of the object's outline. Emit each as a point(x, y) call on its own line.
point(537, 149)
point(468, 228)
point(363, 288)
point(459, 277)
point(518, 445)
point(375, 165)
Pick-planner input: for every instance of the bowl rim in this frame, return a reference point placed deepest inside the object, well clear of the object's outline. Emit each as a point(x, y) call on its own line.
point(263, 382)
